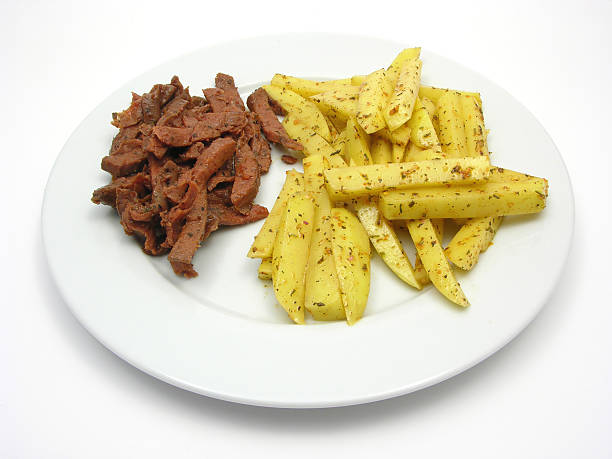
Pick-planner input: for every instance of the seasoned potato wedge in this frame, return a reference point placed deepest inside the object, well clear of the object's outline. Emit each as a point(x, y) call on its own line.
point(301, 108)
point(358, 80)
point(401, 103)
point(264, 241)
point(358, 148)
point(351, 249)
point(451, 128)
point(338, 103)
point(312, 142)
point(398, 153)
point(419, 270)
point(384, 239)
point(264, 272)
point(307, 88)
point(291, 248)
point(473, 120)
point(429, 105)
point(434, 94)
point(322, 297)
point(350, 182)
point(373, 96)
point(490, 199)
point(380, 150)
point(471, 240)
point(422, 132)
point(394, 69)
point(431, 254)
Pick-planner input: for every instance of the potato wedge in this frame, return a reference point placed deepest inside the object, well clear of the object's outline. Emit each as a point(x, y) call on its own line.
point(404, 55)
point(358, 80)
point(264, 272)
point(473, 120)
point(473, 238)
point(400, 136)
point(312, 142)
point(380, 150)
point(419, 270)
point(434, 94)
point(429, 105)
point(398, 153)
point(338, 103)
point(490, 199)
point(351, 249)
point(422, 132)
point(303, 109)
point(291, 248)
point(322, 296)
point(373, 96)
point(307, 88)
point(439, 271)
point(451, 128)
point(358, 148)
point(384, 239)
point(350, 182)
point(401, 103)
point(263, 244)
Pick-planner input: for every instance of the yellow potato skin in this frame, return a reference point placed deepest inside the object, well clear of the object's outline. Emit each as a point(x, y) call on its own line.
point(431, 254)
point(380, 150)
point(301, 108)
point(341, 103)
point(351, 250)
point(450, 125)
point(291, 248)
point(322, 295)
point(264, 272)
point(475, 131)
point(307, 88)
point(312, 142)
point(422, 131)
point(434, 94)
point(404, 55)
point(358, 148)
point(263, 244)
point(401, 103)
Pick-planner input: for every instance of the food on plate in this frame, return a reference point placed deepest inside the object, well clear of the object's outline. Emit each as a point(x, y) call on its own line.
point(351, 250)
point(291, 248)
point(382, 152)
point(182, 166)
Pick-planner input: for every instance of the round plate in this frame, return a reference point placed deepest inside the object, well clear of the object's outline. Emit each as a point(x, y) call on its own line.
point(222, 334)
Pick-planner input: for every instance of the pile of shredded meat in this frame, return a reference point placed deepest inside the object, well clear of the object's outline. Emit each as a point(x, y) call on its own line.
point(182, 165)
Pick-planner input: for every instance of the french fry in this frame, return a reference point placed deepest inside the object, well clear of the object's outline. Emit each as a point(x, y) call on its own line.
point(451, 128)
point(291, 248)
point(351, 249)
point(429, 105)
point(431, 254)
point(400, 136)
point(357, 80)
point(312, 142)
point(398, 153)
point(420, 273)
point(322, 295)
point(434, 94)
point(307, 88)
point(422, 132)
point(473, 120)
point(263, 244)
point(264, 272)
point(404, 55)
point(489, 199)
point(401, 103)
point(373, 96)
point(301, 108)
point(350, 182)
point(384, 239)
point(471, 240)
point(358, 148)
point(338, 103)
point(380, 150)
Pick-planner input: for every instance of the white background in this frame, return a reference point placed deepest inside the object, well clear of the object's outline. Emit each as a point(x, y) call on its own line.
point(63, 395)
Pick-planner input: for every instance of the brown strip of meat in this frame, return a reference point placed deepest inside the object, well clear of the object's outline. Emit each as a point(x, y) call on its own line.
point(127, 200)
point(107, 195)
point(193, 152)
point(151, 105)
point(171, 114)
point(211, 126)
point(163, 176)
point(258, 143)
point(228, 216)
point(127, 133)
point(225, 174)
point(189, 240)
point(246, 183)
point(220, 151)
point(221, 102)
point(288, 159)
point(193, 115)
point(274, 131)
point(122, 164)
point(153, 145)
point(226, 82)
point(172, 220)
point(131, 116)
point(276, 107)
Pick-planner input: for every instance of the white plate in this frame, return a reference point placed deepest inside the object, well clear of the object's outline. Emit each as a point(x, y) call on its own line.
point(222, 334)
